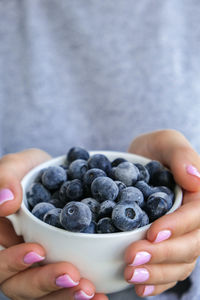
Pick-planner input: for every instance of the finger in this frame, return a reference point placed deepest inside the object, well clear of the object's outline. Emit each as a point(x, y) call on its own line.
point(69, 294)
point(158, 273)
point(183, 220)
point(152, 290)
point(41, 281)
point(13, 168)
point(183, 249)
point(173, 150)
point(8, 236)
point(18, 258)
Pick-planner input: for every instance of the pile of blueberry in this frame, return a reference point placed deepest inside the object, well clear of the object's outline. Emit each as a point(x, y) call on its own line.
point(91, 194)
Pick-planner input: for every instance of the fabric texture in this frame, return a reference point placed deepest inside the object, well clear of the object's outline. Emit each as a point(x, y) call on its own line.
point(97, 74)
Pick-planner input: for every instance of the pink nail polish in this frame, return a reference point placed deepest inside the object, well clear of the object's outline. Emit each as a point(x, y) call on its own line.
point(192, 171)
point(141, 258)
point(81, 295)
point(33, 257)
point(162, 236)
point(139, 275)
point(65, 281)
point(148, 290)
point(5, 195)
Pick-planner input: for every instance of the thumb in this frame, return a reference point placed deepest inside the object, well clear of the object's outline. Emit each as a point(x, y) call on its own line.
point(174, 151)
point(13, 167)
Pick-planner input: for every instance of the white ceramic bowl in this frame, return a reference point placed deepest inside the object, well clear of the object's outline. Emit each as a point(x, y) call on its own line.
point(99, 257)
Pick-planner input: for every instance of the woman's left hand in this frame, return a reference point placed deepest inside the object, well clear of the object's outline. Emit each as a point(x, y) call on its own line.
point(171, 249)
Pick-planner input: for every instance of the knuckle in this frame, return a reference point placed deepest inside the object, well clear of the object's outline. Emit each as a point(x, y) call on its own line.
point(194, 251)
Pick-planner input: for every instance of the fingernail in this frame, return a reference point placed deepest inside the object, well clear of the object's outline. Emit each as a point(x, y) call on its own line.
point(81, 295)
point(65, 281)
point(32, 257)
point(141, 258)
point(5, 195)
point(148, 290)
point(162, 236)
point(139, 275)
point(192, 171)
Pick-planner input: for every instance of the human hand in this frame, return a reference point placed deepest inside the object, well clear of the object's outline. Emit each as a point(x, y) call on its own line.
point(172, 246)
point(18, 280)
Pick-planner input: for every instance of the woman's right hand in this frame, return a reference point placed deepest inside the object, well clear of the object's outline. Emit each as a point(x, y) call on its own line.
point(18, 280)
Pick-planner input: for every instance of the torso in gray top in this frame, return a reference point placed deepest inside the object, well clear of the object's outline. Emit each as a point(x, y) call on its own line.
point(97, 74)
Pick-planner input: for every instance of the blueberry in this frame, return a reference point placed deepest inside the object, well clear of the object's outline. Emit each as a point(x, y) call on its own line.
point(77, 153)
point(157, 205)
point(100, 161)
point(105, 225)
point(71, 190)
point(144, 173)
point(127, 173)
point(104, 188)
point(120, 185)
point(153, 167)
point(144, 219)
point(132, 194)
point(127, 215)
point(53, 177)
point(117, 161)
point(94, 206)
point(166, 190)
point(90, 175)
point(57, 202)
point(75, 216)
point(91, 228)
point(164, 178)
point(39, 175)
point(145, 188)
point(106, 209)
point(52, 217)
point(78, 168)
point(41, 209)
point(37, 193)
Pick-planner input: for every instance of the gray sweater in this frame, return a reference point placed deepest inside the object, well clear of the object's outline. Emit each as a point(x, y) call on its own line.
point(97, 74)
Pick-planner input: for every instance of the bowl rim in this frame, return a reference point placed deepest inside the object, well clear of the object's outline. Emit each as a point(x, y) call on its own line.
point(57, 161)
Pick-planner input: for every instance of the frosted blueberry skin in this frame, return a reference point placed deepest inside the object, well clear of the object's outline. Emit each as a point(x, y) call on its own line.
point(105, 225)
point(57, 202)
point(90, 175)
point(53, 177)
point(144, 219)
point(106, 209)
point(100, 161)
point(120, 185)
point(52, 217)
point(143, 172)
point(157, 205)
point(76, 153)
point(77, 169)
point(131, 194)
point(75, 216)
point(104, 188)
point(40, 209)
point(37, 193)
point(127, 215)
point(94, 206)
point(126, 172)
point(71, 190)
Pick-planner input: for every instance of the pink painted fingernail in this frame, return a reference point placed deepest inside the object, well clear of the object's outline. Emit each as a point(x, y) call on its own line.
point(139, 275)
point(81, 295)
point(5, 195)
point(148, 290)
point(32, 257)
point(65, 281)
point(141, 258)
point(162, 236)
point(192, 171)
